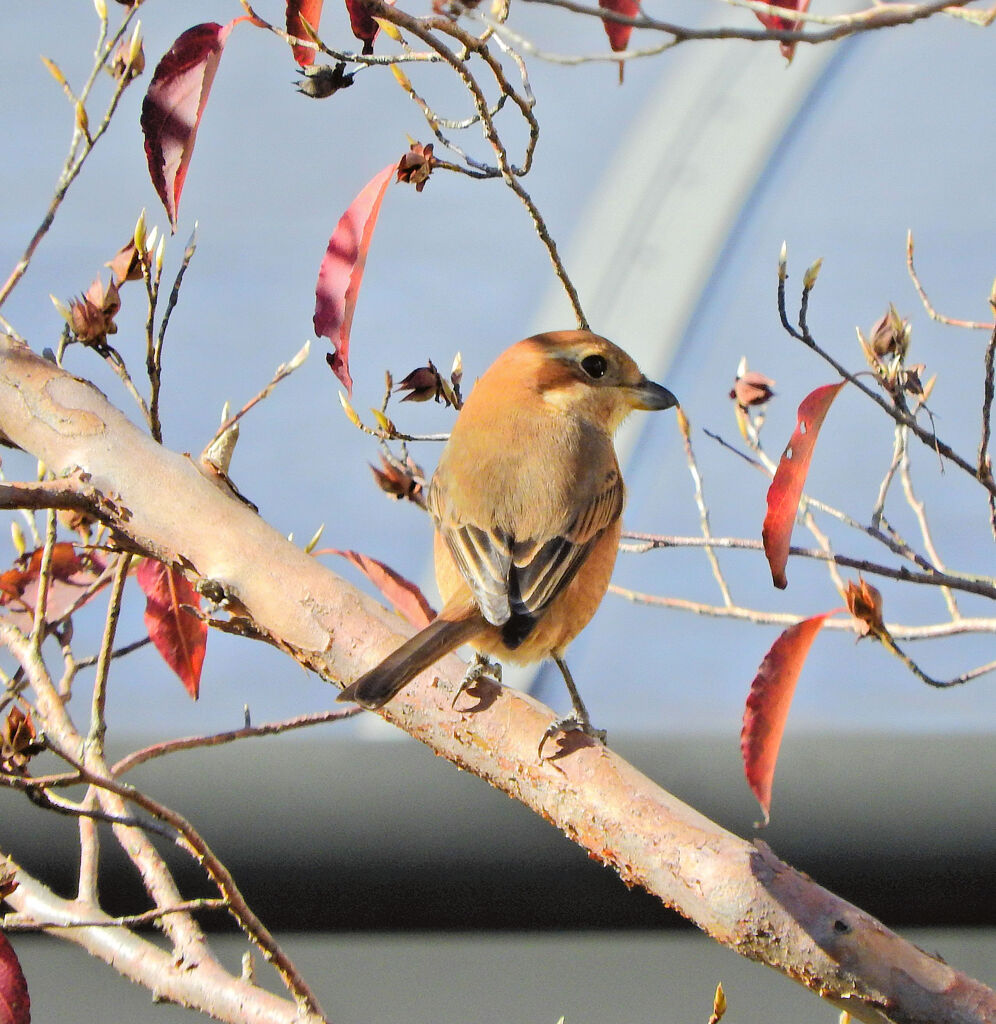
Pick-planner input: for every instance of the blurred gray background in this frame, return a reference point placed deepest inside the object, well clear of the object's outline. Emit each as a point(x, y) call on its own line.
point(670, 197)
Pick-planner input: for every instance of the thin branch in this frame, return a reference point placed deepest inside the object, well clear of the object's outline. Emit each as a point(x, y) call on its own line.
point(901, 416)
point(217, 739)
point(761, 618)
point(39, 627)
point(969, 584)
point(20, 923)
point(898, 451)
point(222, 879)
point(890, 644)
point(75, 160)
point(985, 466)
point(919, 510)
point(693, 468)
point(283, 371)
point(879, 16)
point(98, 724)
point(975, 325)
point(418, 27)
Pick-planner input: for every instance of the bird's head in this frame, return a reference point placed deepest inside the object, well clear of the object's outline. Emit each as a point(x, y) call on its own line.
point(580, 373)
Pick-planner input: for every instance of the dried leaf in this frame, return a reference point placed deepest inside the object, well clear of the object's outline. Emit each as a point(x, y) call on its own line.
point(400, 481)
point(126, 264)
point(91, 317)
point(422, 384)
point(406, 597)
point(179, 635)
point(341, 272)
point(17, 741)
point(174, 105)
point(864, 602)
point(890, 334)
point(128, 60)
point(70, 577)
point(15, 1004)
point(790, 478)
point(768, 705)
point(298, 12)
point(416, 165)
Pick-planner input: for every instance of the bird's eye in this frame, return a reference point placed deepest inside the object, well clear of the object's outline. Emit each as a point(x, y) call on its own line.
point(594, 366)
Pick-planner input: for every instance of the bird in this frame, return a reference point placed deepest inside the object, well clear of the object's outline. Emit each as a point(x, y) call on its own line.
point(526, 501)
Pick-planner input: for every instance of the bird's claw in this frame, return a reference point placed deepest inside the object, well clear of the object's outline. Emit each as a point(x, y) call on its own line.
point(481, 668)
point(570, 723)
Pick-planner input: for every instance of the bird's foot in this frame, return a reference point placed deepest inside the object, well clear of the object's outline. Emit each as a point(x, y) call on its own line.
point(569, 724)
point(481, 668)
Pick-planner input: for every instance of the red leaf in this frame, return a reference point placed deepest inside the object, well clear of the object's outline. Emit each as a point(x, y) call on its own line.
point(768, 705)
point(619, 34)
point(787, 24)
point(402, 593)
point(310, 11)
point(174, 104)
point(341, 271)
point(15, 1004)
point(70, 577)
point(179, 635)
point(790, 478)
point(362, 23)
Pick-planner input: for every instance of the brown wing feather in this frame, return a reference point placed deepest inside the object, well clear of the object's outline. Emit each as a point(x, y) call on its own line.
point(513, 580)
point(541, 571)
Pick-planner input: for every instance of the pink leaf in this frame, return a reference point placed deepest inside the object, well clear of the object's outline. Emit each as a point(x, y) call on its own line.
point(402, 593)
point(311, 12)
point(779, 24)
point(768, 705)
point(790, 478)
point(15, 1004)
point(174, 104)
point(341, 271)
point(179, 635)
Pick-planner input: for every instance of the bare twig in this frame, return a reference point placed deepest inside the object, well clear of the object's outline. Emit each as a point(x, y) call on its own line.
point(879, 16)
point(39, 627)
point(98, 724)
point(900, 415)
point(283, 371)
point(920, 512)
point(969, 584)
point(78, 153)
point(221, 877)
point(19, 923)
point(217, 739)
point(693, 468)
point(762, 618)
point(898, 451)
point(975, 325)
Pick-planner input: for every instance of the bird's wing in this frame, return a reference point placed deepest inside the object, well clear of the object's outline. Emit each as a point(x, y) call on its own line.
point(515, 578)
point(542, 568)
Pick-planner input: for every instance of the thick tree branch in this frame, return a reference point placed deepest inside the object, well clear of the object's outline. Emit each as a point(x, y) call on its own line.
point(735, 890)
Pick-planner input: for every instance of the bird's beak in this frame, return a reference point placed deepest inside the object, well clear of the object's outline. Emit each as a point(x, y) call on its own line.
point(648, 395)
